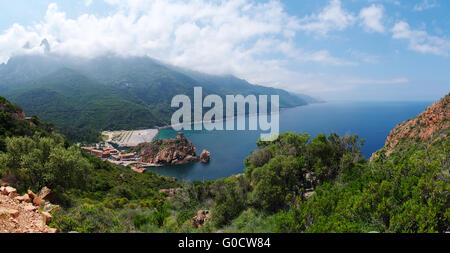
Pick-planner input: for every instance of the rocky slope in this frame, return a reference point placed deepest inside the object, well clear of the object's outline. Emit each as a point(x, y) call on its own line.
point(430, 125)
point(29, 213)
point(173, 151)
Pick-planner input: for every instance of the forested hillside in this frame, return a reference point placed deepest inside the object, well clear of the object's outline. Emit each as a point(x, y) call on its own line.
point(83, 97)
point(80, 107)
point(13, 122)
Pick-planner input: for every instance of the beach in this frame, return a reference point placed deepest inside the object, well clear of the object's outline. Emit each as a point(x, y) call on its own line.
point(130, 138)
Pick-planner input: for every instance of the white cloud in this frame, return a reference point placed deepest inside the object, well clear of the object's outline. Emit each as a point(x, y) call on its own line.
point(252, 40)
point(332, 17)
point(13, 40)
point(372, 18)
point(88, 2)
point(421, 41)
point(362, 56)
point(378, 81)
point(425, 5)
point(335, 18)
point(324, 56)
point(331, 84)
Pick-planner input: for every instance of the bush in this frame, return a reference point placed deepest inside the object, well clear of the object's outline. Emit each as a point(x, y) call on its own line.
point(86, 218)
point(44, 161)
point(141, 220)
point(230, 200)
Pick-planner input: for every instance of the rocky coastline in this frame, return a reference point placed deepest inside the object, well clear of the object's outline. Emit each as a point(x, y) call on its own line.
point(172, 151)
point(431, 125)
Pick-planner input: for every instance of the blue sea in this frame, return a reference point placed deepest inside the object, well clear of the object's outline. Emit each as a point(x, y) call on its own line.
point(372, 121)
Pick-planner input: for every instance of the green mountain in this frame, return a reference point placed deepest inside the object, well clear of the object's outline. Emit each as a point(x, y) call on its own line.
point(82, 97)
point(78, 105)
point(21, 69)
point(228, 84)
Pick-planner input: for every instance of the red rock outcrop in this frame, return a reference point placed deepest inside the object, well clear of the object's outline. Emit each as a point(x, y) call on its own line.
point(205, 156)
point(202, 217)
point(173, 151)
point(431, 124)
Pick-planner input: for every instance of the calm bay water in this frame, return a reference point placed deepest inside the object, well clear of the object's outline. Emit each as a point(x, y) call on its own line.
point(372, 121)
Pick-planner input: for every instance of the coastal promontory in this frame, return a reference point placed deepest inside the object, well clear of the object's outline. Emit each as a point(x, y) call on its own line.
point(171, 151)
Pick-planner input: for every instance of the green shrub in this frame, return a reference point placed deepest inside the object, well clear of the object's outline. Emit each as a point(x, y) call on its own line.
point(141, 220)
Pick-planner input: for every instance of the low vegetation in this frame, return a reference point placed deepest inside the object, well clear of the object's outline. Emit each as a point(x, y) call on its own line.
point(294, 184)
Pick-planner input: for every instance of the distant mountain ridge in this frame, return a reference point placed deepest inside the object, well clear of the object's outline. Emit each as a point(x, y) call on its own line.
point(82, 97)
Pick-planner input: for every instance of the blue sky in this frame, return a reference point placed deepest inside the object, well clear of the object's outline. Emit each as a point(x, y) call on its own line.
point(336, 50)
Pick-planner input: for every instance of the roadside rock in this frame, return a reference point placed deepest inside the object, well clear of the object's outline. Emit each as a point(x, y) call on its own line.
point(30, 208)
point(8, 190)
point(37, 201)
point(8, 212)
point(19, 215)
point(24, 198)
point(46, 194)
point(46, 217)
point(13, 195)
point(31, 194)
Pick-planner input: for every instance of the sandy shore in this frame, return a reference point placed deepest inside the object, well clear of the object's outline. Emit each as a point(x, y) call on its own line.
point(131, 138)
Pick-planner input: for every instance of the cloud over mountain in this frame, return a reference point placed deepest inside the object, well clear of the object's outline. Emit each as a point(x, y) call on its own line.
point(215, 37)
point(271, 42)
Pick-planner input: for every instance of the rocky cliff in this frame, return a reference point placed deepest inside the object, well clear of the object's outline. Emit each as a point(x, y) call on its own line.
point(173, 151)
point(429, 126)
